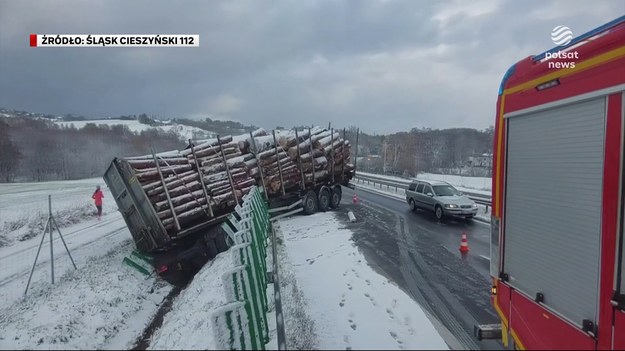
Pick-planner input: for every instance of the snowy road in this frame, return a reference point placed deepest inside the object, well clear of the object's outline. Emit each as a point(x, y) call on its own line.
point(446, 233)
point(421, 256)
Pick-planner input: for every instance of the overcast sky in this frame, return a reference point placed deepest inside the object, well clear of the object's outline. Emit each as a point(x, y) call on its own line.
point(383, 66)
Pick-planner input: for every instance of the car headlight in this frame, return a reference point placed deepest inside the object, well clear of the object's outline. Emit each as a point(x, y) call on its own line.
point(451, 205)
point(474, 205)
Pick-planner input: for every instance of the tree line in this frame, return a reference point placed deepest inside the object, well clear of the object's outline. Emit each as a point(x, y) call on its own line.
point(462, 151)
point(40, 150)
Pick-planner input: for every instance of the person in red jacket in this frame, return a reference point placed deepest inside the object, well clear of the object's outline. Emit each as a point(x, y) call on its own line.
point(98, 196)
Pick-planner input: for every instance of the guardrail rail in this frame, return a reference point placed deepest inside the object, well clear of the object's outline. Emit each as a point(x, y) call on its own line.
point(403, 184)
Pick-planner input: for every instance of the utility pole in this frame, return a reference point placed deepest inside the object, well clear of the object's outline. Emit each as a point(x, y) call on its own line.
point(384, 146)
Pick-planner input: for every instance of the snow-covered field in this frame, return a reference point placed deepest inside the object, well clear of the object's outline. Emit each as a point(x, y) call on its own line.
point(24, 199)
point(350, 305)
point(102, 304)
point(185, 132)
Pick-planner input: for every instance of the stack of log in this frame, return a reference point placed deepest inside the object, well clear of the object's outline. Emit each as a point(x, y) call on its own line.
point(323, 154)
point(210, 178)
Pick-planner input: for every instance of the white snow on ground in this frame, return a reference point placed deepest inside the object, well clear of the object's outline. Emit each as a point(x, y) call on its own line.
point(474, 183)
point(102, 304)
point(351, 305)
point(478, 185)
point(185, 132)
point(25, 205)
point(483, 213)
point(24, 199)
point(189, 324)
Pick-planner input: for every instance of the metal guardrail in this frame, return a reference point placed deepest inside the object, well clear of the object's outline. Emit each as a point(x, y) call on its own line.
point(403, 184)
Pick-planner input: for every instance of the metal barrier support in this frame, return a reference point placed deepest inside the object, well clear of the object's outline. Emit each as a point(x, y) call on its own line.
point(242, 324)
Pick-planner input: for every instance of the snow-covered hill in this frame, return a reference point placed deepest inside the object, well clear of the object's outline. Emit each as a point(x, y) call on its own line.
point(185, 132)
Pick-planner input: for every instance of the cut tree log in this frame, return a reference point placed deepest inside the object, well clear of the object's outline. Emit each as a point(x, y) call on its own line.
point(324, 142)
point(178, 200)
point(153, 174)
point(173, 184)
point(147, 186)
point(271, 153)
point(167, 154)
point(304, 148)
point(239, 162)
point(227, 152)
point(140, 165)
point(182, 208)
point(207, 144)
point(183, 189)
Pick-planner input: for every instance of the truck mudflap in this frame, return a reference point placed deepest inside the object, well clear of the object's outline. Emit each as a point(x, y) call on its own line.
point(487, 331)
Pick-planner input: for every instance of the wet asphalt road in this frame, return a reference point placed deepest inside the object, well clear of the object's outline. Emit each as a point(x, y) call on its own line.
point(421, 255)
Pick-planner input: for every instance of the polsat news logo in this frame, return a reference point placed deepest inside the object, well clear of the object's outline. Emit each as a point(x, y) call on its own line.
point(561, 36)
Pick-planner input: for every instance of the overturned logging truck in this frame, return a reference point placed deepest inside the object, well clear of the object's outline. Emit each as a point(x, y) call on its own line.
point(173, 201)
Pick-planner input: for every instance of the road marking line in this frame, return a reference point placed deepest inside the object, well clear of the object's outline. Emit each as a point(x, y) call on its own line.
point(485, 257)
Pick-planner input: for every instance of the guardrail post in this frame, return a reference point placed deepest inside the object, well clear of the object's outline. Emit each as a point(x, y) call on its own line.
point(238, 288)
point(228, 327)
point(243, 255)
point(242, 323)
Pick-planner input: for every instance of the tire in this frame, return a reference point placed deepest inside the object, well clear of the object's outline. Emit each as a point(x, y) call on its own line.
point(309, 202)
point(324, 199)
point(335, 199)
point(438, 212)
point(413, 206)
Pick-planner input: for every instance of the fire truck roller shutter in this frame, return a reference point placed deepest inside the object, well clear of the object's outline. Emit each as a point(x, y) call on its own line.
point(553, 206)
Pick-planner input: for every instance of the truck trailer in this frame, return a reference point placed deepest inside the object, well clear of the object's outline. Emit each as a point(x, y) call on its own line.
point(173, 202)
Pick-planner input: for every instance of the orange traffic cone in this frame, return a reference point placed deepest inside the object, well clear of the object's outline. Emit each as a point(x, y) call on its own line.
point(355, 199)
point(464, 244)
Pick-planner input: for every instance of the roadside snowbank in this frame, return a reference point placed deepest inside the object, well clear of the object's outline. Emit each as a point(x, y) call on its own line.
point(350, 304)
point(478, 185)
point(188, 325)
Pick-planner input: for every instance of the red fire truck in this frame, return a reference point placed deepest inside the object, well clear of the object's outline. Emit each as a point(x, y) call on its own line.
point(557, 266)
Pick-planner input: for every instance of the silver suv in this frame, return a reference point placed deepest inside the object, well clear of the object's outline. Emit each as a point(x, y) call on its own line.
point(441, 198)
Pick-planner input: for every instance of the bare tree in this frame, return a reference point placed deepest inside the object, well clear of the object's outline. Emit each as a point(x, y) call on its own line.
point(9, 154)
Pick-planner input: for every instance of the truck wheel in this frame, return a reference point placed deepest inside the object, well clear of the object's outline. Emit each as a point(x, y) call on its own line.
point(337, 193)
point(324, 199)
point(309, 201)
point(438, 211)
